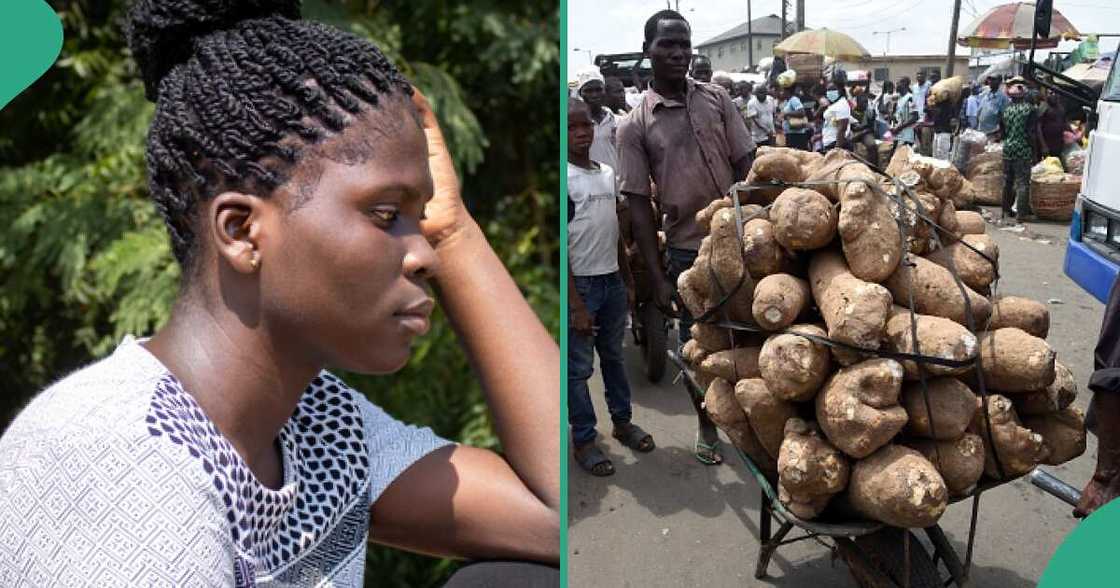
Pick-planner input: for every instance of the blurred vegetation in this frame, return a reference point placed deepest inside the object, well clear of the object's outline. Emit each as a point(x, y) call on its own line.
point(84, 258)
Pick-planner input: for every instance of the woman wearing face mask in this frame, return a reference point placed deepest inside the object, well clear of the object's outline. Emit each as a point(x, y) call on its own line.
point(1018, 128)
point(834, 126)
point(1052, 126)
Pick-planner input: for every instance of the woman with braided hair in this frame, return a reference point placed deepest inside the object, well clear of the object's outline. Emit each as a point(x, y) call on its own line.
point(310, 200)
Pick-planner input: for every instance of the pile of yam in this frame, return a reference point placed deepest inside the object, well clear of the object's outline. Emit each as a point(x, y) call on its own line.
point(886, 379)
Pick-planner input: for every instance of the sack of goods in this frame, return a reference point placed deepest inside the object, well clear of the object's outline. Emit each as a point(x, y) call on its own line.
point(1053, 195)
point(985, 171)
point(877, 375)
point(946, 90)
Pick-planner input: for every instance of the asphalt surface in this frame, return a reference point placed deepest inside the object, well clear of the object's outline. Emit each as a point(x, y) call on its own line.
point(664, 519)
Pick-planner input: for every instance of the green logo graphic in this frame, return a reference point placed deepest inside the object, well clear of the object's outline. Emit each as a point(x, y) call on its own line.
point(1085, 557)
point(30, 39)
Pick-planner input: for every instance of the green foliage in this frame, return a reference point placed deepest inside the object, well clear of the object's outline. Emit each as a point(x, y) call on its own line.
point(84, 257)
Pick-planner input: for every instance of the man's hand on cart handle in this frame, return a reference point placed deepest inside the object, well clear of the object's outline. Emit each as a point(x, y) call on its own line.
point(1100, 490)
point(666, 298)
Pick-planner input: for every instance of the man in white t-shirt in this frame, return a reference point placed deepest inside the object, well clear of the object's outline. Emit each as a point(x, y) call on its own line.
point(592, 89)
point(760, 116)
point(598, 282)
point(837, 118)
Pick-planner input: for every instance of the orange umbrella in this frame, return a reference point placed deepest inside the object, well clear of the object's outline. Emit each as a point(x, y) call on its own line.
point(1012, 25)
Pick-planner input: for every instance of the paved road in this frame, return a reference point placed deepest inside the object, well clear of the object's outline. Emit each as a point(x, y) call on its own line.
point(664, 519)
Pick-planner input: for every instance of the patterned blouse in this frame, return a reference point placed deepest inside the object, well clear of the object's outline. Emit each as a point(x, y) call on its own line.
point(114, 476)
point(1018, 119)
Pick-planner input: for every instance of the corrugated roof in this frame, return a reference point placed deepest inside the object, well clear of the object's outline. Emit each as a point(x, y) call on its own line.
point(767, 25)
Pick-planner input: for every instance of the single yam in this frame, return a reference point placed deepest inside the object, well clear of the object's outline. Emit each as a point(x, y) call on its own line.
point(1022, 313)
point(937, 337)
point(900, 161)
point(729, 416)
point(868, 230)
point(858, 407)
point(970, 223)
point(837, 165)
point(935, 292)
point(898, 486)
point(952, 403)
point(733, 364)
point(1058, 395)
point(710, 337)
point(1017, 448)
point(854, 310)
point(810, 469)
point(803, 219)
point(694, 299)
point(806, 160)
point(777, 166)
point(767, 413)
point(693, 353)
point(794, 367)
point(1014, 361)
point(704, 216)
point(947, 218)
point(761, 250)
point(1063, 432)
point(974, 269)
point(778, 300)
point(726, 258)
point(965, 197)
point(960, 461)
point(918, 230)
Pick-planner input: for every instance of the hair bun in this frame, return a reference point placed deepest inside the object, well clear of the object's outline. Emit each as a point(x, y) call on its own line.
point(161, 32)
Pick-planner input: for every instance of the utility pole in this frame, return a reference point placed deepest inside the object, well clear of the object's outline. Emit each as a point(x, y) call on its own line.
point(789, 26)
point(750, 39)
point(800, 15)
point(953, 39)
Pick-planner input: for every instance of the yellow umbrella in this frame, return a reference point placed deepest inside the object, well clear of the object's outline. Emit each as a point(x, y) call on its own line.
point(822, 42)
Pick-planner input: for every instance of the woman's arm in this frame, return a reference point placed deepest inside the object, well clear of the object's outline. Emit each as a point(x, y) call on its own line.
point(465, 501)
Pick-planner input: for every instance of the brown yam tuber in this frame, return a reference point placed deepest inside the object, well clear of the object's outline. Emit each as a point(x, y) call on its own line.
point(952, 403)
point(935, 292)
point(806, 160)
point(937, 337)
point(868, 230)
point(854, 310)
point(858, 407)
point(794, 367)
point(1022, 313)
point(763, 254)
point(778, 300)
point(1017, 449)
point(727, 414)
point(704, 216)
point(1058, 395)
point(733, 364)
point(974, 269)
point(970, 223)
point(810, 469)
point(947, 218)
point(710, 337)
point(693, 353)
point(835, 166)
point(1063, 432)
point(898, 486)
point(965, 197)
point(960, 461)
point(803, 219)
point(767, 413)
point(1014, 361)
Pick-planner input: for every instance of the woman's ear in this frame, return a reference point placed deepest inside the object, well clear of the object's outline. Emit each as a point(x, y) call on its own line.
point(236, 225)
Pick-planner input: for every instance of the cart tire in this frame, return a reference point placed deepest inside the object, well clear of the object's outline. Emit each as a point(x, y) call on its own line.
point(654, 341)
point(877, 560)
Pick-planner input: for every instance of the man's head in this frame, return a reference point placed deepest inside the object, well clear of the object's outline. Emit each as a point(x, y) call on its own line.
point(616, 94)
point(591, 89)
point(994, 83)
point(888, 87)
point(934, 77)
point(743, 89)
point(668, 44)
point(761, 92)
point(724, 81)
point(581, 131)
point(904, 85)
point(920, 78)
point(976, 90)
point(701, 69)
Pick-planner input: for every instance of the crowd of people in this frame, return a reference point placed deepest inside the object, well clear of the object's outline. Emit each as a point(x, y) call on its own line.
point(658, 152)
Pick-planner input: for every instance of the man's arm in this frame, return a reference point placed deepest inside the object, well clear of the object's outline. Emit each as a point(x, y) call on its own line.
point(644, 225)
point(739, 140)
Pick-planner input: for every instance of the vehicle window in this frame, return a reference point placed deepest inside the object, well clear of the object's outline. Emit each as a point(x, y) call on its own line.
point(1111, 91)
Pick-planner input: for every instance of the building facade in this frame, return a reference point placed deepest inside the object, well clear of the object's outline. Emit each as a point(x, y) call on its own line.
point(729, 50)
point(893, 67)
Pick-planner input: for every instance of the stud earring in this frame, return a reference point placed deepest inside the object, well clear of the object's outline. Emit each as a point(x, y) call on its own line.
point(255, 260)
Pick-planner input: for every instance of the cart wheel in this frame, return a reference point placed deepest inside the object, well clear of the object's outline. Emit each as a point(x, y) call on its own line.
point(878, 560)
point(654, 341)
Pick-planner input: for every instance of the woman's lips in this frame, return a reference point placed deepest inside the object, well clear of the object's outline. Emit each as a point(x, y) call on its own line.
point(416, 316)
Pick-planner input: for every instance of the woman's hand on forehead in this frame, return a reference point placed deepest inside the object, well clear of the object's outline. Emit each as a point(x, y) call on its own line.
point(445, 215)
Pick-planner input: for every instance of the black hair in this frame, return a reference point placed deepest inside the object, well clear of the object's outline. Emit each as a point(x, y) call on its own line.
point(241, 88)
point(660, 15)
point(699, 58)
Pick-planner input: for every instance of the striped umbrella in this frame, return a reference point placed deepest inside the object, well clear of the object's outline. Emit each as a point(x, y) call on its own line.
point(822, 42)
point(1012, 25)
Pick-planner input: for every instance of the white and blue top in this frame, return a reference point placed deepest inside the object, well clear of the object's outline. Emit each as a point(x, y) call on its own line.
point(114, 476)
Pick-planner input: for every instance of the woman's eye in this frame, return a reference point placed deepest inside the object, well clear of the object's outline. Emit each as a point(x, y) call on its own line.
point(386, 215)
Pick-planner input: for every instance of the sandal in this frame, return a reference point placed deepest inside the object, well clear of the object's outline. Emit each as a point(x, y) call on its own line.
point(633, 436)
point(592, 460)
point(707, 454)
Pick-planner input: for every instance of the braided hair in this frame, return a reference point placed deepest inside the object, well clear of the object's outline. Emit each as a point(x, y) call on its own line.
point(242, 89)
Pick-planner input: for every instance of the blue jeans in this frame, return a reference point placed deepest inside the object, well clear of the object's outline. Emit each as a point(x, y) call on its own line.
point(680, 260)
point(605, 298)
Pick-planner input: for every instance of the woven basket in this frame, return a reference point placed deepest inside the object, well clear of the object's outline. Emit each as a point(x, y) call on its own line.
point(989, 189)
point(1055, 200)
